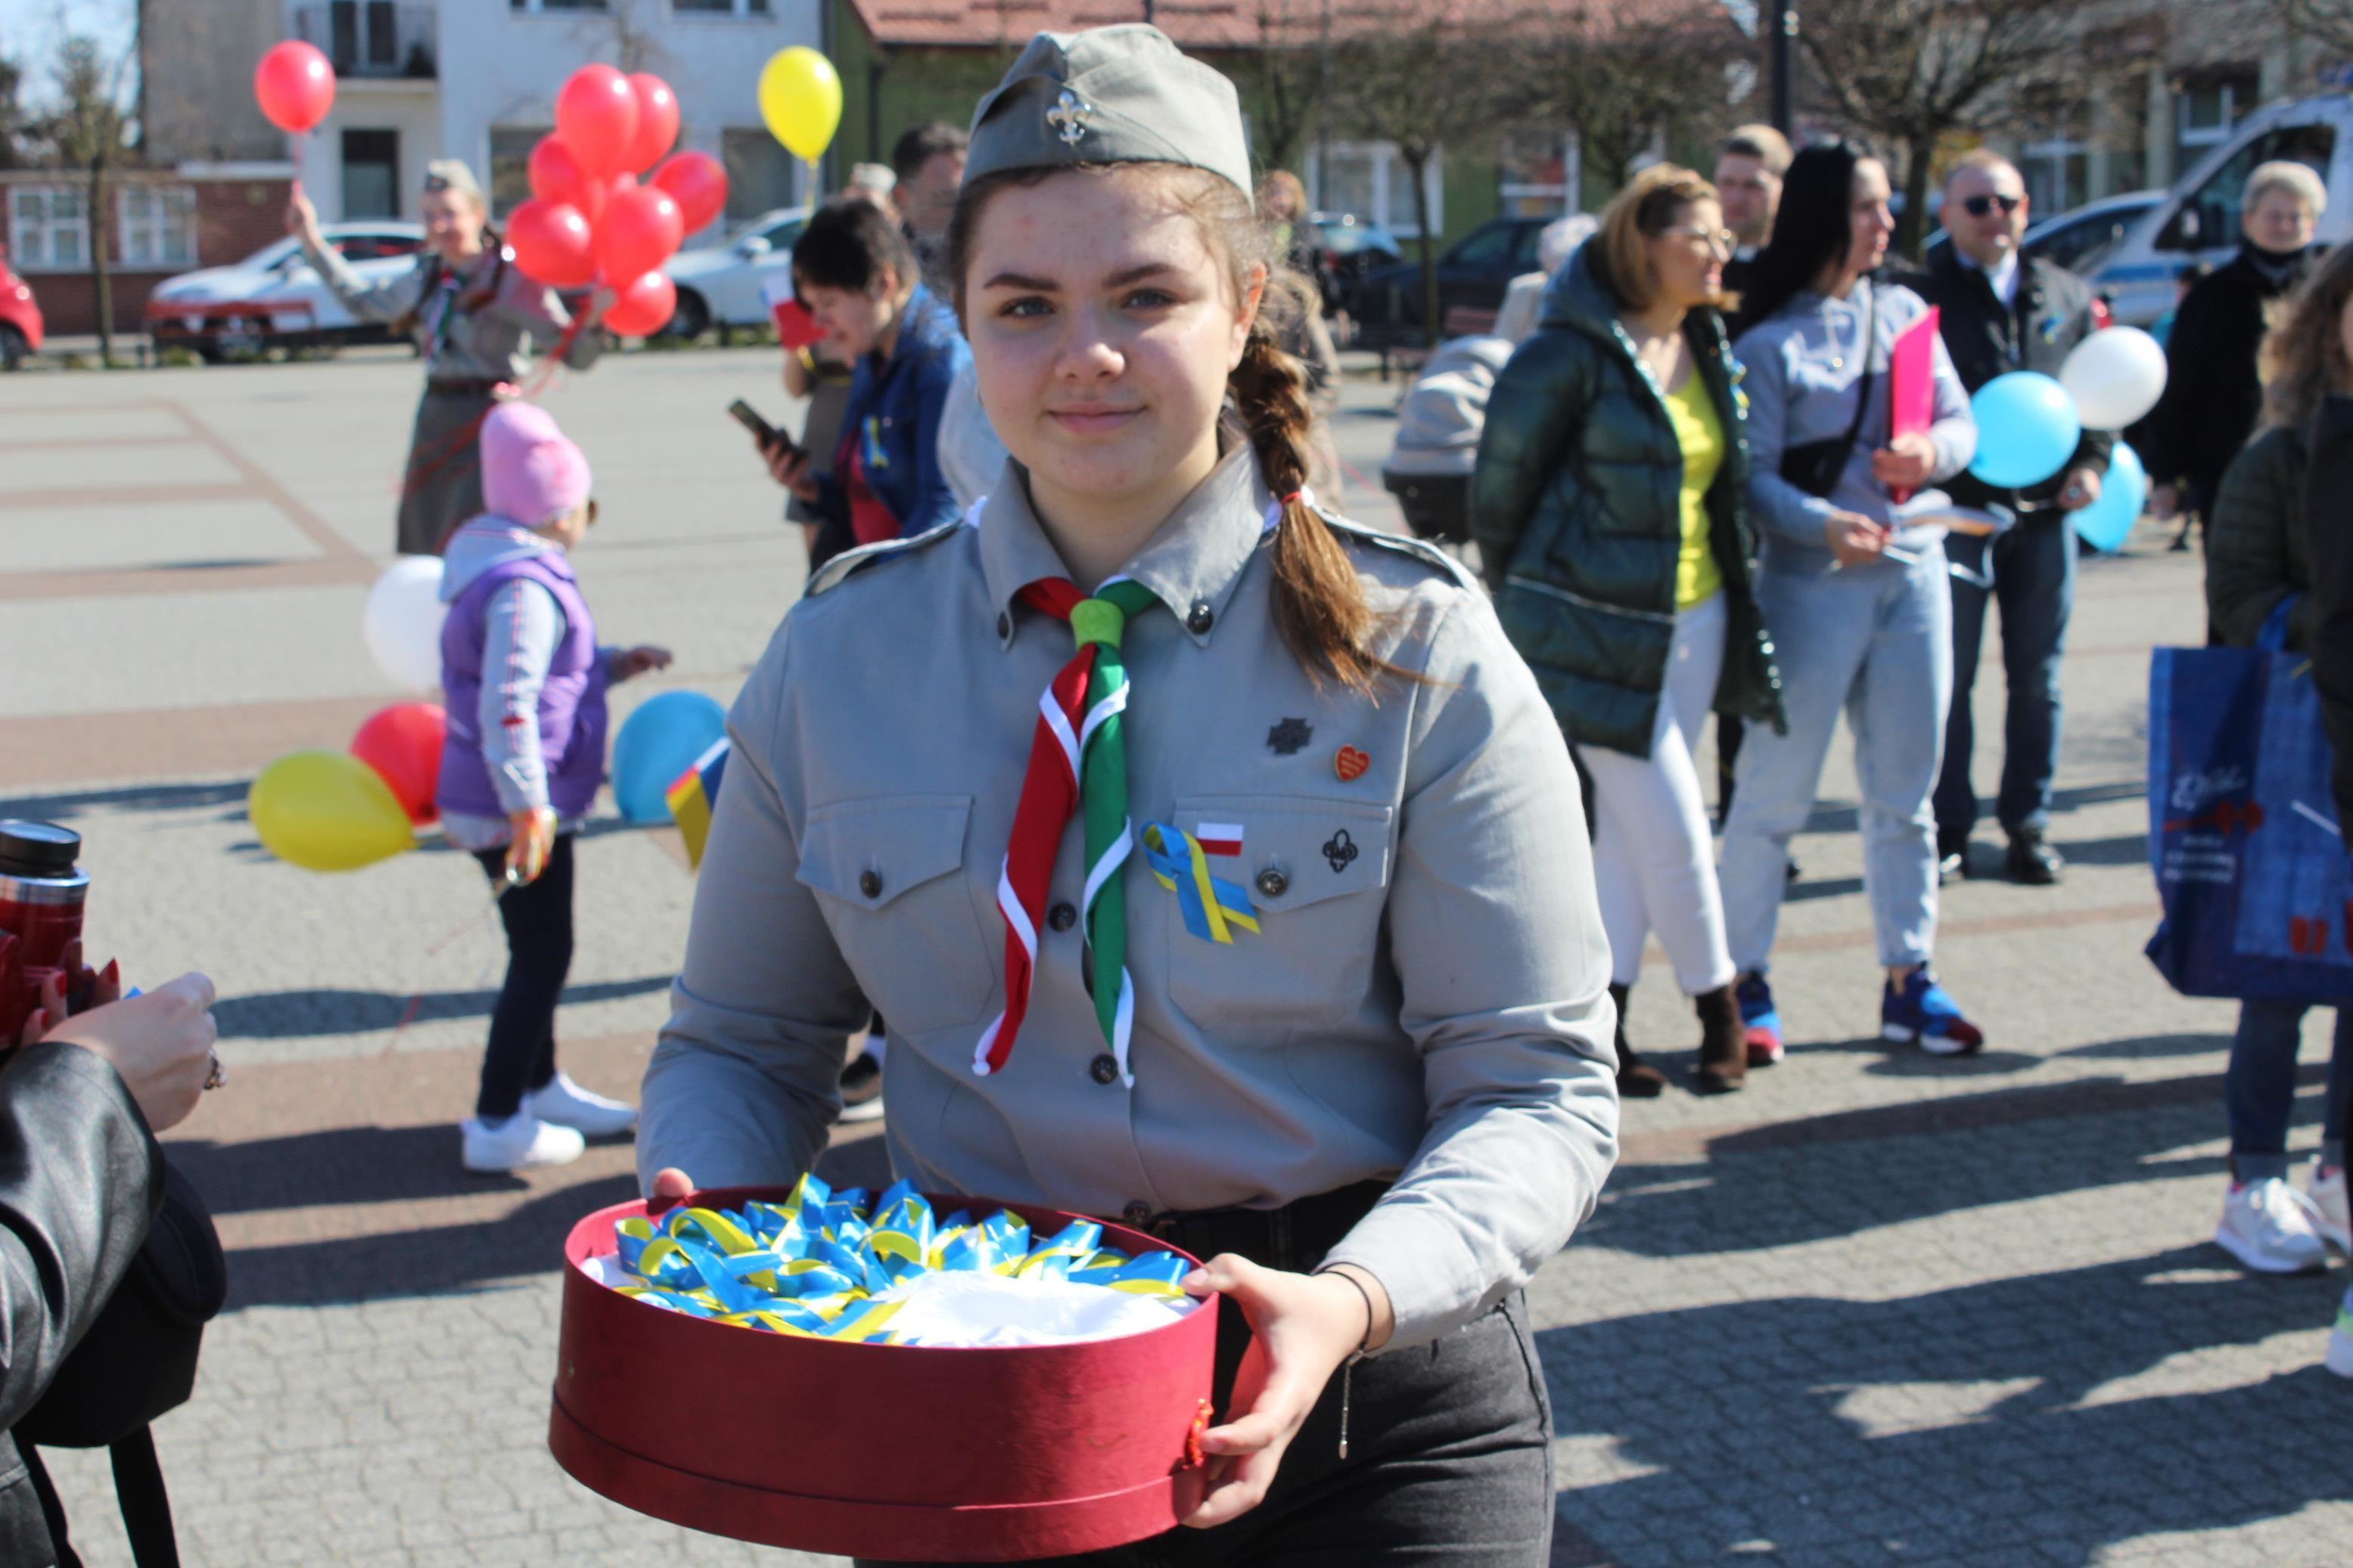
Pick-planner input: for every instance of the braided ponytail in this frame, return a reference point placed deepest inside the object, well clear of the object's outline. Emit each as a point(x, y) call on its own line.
point(1319, 606)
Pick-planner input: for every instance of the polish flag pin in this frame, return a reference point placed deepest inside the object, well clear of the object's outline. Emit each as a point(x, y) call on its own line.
point(1219, 838)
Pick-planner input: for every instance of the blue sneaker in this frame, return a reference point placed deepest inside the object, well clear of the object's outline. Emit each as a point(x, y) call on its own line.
point(1760, 1020)
point(1920, 1014)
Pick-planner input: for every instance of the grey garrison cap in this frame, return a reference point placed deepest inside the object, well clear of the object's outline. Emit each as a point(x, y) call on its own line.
point(1109, 94)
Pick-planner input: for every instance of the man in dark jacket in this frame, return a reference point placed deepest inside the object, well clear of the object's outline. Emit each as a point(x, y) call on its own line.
point(80, 1181)
point(2003, 311)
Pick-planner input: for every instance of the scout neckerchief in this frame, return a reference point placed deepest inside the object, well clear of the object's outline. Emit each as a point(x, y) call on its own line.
point(1077, 758)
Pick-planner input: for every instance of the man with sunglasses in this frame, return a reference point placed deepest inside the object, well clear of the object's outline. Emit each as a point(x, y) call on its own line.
point(2003, 310)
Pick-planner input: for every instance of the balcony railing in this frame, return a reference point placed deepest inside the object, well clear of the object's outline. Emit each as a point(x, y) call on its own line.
point(372, 38)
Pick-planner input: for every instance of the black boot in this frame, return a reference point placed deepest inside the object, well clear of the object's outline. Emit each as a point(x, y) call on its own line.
point(1722, 1042)
point(2030, 860)
point(1637, 1079)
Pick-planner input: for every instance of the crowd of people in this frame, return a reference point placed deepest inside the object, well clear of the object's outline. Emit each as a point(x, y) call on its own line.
point(1354, 1026)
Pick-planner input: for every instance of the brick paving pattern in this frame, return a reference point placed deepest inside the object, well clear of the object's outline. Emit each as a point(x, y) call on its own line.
point(1874, 1308)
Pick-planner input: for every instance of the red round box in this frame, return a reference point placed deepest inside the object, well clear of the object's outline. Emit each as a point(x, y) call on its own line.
point(899, 1452)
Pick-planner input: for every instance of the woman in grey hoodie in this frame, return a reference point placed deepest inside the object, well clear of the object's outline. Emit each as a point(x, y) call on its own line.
point(1853, 586)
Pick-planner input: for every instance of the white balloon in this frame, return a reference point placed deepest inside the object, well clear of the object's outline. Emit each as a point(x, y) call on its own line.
point(402, 623)
point(2115, 376)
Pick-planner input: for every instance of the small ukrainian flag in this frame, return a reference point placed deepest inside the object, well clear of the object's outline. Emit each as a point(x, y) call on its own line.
point(695, 796)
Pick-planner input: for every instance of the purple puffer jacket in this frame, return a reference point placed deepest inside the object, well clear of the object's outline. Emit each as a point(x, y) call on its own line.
point(572, 722)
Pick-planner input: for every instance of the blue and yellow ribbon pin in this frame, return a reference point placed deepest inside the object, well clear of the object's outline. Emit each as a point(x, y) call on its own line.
point(1210, 904)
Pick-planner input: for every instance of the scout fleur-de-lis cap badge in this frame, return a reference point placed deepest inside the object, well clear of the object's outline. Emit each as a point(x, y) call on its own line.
point(1122, 94)
point(1069, 117)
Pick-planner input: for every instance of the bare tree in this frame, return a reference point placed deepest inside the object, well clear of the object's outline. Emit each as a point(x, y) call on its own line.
point(2329, 22)
point(87, 132)
point(13, 123)
point(1631, 74)
point(1430, 77)
point(1289, 69)
point(1915, 71)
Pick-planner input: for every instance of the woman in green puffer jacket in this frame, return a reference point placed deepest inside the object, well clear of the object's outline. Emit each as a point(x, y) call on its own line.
point(1608, 507)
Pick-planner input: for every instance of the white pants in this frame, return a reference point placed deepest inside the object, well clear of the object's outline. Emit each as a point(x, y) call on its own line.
point(1653, 863)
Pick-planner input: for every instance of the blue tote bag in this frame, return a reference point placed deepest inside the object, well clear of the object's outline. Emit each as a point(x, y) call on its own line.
point(2256, 885)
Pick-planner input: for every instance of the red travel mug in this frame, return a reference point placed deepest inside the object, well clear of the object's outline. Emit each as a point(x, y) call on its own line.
point(41, 896)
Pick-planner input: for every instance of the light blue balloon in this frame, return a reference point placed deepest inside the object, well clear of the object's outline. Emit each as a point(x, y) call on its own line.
point(661, 740)
point(2108, 521)
point(2027, 430)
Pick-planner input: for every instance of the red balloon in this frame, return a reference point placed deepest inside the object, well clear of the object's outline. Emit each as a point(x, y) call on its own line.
point(403, 744)
point(657, 121)
point(644, 307)
point(553, 243)
point(295, 86)
point(698, 181)
point(596, 116)
point(556, 176)
point(641, 225)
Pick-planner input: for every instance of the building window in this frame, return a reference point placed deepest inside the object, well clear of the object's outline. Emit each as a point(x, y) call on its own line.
point(158, 225)
point(1370, 181)
point(719, 7)
point(2058, 173)
point(48, 228)
point(371, 174)
point(1540, 174)
point(510, 148)
point(2205, 111)
point(536, 6)
point(761, 174)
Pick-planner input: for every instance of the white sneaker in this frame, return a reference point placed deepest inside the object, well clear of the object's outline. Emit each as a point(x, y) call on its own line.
point(2340, 1339)
point(2272, 1228)
point(567, 1104)
point(2327, 1190)
point(518, 1144)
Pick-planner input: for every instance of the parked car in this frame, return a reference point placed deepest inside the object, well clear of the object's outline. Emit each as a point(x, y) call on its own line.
point(1350, 247)
point(20, 317)
point(720, 284)
point(2197, 220)
point(2080, 239)
point(275, 298)
point(1471, 278)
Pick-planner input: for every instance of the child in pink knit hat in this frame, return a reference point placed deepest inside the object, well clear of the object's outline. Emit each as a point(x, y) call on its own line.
point(524, 680)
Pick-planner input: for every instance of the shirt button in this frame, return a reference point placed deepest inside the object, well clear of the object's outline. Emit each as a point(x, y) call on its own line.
point(1004, 625)
point(1138, 1215)
point(871, 883)
point(1104, 1070)
point(1274, 883)
point(1201, 618)
point(1061, 917)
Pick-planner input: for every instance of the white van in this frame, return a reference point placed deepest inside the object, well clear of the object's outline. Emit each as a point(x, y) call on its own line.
point(2198, 219)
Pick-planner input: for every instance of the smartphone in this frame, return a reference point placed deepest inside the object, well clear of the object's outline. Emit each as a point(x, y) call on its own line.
point(766, 434)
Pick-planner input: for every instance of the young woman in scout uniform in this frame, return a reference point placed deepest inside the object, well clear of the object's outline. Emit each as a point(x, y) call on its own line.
point(475, 319)
point(1319, 990)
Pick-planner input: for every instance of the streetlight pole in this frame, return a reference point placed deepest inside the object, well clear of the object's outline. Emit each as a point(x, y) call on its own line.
point(1782, 41)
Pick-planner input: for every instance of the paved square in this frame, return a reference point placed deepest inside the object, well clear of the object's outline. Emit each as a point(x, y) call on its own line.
point(1877, 1308)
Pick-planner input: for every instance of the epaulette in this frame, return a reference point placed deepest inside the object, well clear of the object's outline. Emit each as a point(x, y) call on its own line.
point(831, 574)
point(1404, 544)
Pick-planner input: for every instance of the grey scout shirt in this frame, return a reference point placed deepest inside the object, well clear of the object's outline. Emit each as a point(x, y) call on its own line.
point(1426, 998)
point(483, 344)
point(1803, 370)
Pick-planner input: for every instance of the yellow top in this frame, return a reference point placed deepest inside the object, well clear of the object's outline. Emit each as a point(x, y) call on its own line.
point(1701, 435)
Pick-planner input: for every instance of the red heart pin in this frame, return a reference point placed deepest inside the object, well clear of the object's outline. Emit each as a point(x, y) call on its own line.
point(1350, 764)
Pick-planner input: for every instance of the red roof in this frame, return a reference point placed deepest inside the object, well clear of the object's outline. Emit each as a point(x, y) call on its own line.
point(1192, 24)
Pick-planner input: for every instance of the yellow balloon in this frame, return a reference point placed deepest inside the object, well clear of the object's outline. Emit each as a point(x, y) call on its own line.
point(801, 98)
point(326, 811)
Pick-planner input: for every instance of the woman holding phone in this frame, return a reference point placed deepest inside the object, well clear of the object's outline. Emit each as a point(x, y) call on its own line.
point(1854, 586)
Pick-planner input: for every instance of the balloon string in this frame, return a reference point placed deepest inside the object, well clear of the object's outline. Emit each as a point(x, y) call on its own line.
point(415, 1002)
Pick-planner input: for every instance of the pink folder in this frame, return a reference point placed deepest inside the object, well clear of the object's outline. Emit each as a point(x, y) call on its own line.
point(1912, 382)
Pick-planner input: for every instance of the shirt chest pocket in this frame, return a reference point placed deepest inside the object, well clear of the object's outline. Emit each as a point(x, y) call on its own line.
point(1316, 872)
point(888, 874)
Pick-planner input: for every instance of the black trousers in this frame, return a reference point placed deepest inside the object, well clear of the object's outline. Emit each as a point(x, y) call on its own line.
point(1449, 1462)
point(538, 918)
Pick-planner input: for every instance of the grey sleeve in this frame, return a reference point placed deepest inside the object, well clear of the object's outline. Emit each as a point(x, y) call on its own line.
point(533, 309)
point(520, 628)
point(385, 301)
point(745, 1080)
point(1496, 937)
point(1779, 505)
